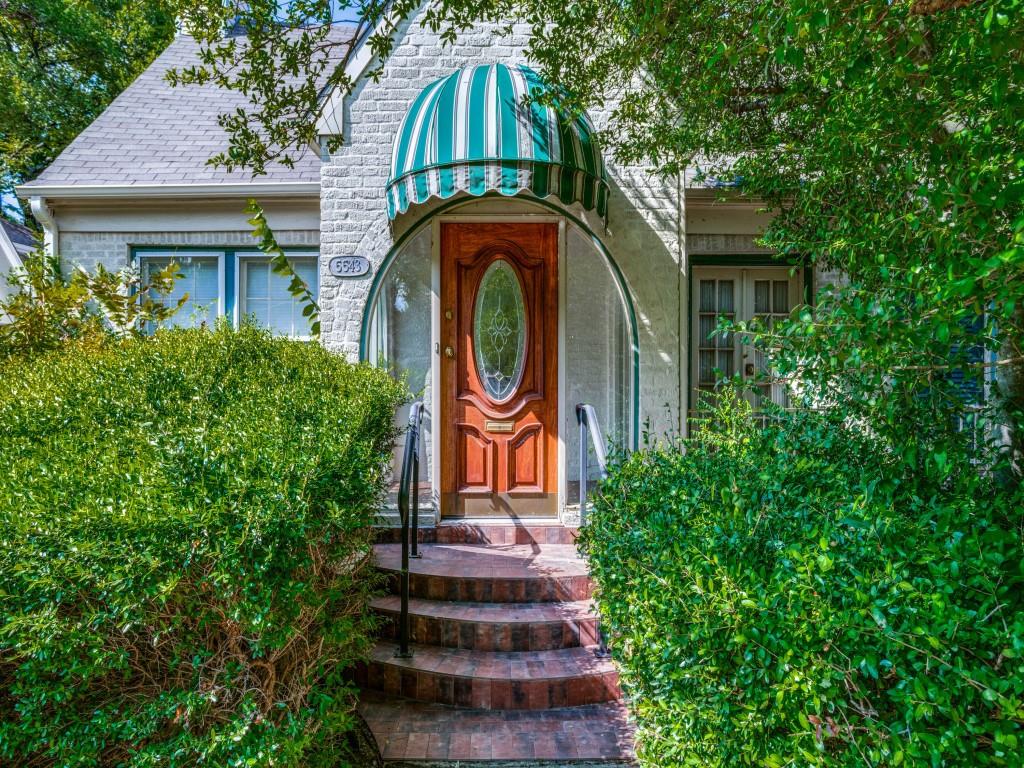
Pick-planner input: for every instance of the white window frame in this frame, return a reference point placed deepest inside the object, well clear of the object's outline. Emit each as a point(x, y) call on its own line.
point(241, 259)
point(142, 257)
point(744, 303)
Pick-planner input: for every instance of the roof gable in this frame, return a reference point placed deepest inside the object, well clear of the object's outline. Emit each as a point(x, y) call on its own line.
point(156, 134)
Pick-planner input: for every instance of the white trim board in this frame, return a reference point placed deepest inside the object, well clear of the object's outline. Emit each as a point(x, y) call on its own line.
point(190, 215)
point(9, 256)
point(239, 190)
point(330, 119)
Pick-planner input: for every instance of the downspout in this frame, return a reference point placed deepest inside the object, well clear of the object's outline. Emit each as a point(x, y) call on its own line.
point(683, 333)
point(42, 213)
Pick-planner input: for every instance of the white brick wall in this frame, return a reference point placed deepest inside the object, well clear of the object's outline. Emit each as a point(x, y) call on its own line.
point(643, 232)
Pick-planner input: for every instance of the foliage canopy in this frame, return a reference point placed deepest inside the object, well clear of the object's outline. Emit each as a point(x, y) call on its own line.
point(842, 587)
point(48, 308)
point(886, 137)
point(61, 64)
point(285, 58)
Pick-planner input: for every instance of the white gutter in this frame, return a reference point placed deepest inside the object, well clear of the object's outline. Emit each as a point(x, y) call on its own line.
point(42, 213)
point(245, 189)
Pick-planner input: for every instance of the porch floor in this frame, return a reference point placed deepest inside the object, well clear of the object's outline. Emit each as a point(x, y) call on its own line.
point(505, 664)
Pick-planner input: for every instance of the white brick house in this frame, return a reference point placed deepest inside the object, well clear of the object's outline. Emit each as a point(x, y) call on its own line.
point(613, 313)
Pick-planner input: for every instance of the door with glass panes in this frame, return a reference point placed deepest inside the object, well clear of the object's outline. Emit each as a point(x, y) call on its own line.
point(766, 293)
point(499, 370)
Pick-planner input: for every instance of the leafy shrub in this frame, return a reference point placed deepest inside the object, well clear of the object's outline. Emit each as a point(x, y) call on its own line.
point(184, 533)
point(803, 596)
point(48, 308)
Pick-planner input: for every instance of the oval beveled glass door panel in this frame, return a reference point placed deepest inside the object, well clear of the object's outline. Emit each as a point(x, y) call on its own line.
point(499, 331)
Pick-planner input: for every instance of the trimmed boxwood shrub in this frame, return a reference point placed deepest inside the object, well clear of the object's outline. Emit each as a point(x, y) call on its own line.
point(799, 596)
point(184, 541)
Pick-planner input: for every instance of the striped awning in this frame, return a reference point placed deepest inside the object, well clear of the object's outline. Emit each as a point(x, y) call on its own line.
point(471, 132)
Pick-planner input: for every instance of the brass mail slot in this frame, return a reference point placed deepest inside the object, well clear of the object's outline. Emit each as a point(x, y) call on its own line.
point(499, 426)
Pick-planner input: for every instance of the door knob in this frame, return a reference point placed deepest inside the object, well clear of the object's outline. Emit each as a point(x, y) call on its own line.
point(449, 352)
point(749, 370)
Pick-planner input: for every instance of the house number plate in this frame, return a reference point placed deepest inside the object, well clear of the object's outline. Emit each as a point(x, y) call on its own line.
point(349, 266)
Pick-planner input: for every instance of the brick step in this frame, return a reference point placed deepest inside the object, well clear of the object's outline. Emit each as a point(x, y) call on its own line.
point(483, 533)
point(493, 626)
point(413, 731)
point(492, 679)
point(389, 524)
point(490, 574)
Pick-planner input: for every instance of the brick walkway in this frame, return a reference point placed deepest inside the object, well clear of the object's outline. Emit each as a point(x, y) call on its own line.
point(505, 664)
point(416, 731)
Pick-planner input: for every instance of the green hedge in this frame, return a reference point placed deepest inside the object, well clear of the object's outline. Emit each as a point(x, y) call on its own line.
point(799, 597)
point(184, 530)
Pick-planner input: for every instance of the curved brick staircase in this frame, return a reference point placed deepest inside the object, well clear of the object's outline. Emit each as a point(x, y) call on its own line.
point(505, 664)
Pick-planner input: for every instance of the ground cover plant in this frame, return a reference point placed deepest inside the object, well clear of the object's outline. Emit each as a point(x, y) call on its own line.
point(800, 595)
point(184, 531)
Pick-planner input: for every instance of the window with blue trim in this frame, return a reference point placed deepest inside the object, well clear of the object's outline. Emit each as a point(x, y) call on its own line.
point(233, 284)
point(263, 295)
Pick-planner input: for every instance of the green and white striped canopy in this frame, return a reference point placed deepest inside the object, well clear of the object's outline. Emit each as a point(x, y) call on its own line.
point(471, 132)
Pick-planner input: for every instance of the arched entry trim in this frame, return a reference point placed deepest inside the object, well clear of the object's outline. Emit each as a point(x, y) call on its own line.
point(620, 281)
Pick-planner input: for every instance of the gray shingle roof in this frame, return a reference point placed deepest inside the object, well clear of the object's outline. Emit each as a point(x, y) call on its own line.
point(153, 133)
point(20, 235)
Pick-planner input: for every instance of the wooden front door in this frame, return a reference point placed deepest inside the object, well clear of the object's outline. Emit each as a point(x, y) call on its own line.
point(499, 370)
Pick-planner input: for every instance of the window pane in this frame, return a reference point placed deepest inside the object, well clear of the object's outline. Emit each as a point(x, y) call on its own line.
point(708, 323)
point(725, 364)
point(260, 312)
point(781, 297)
point(307, 270)
point(499, 330)
point(706, 372)
point(257, 280)
point(726, 303)
point(266, 297)
point(280, 316)
point(198, 278)
point(598, 355)
point(707, 296)
point(761, 297)
point(399, 338)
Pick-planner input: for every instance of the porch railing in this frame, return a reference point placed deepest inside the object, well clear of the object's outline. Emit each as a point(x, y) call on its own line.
point(409, 486)
point(590, 433)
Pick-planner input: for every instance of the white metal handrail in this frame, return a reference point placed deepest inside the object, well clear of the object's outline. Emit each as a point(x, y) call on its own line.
point(590, 428)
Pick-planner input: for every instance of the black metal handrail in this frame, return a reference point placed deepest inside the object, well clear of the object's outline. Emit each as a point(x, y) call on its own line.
point(410, 475)
point(586, 416)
